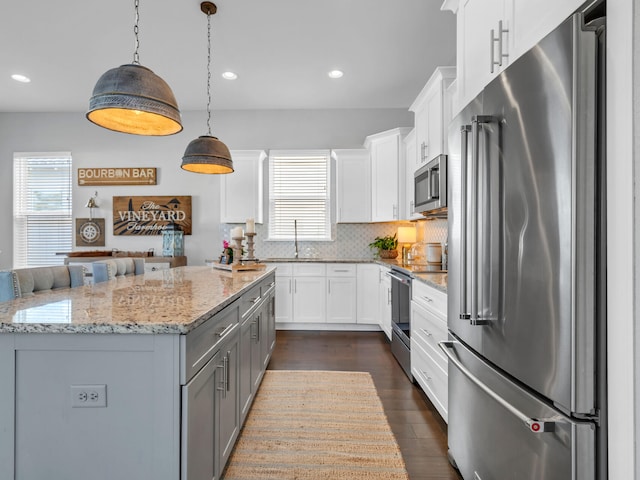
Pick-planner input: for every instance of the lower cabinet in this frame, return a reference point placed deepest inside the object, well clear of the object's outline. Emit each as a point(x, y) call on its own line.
point(384, 300)
point(217, 399)
point(428, 327)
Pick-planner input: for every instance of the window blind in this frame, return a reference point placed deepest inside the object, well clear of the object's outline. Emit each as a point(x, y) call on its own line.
point(42, 213)
point(299, 191)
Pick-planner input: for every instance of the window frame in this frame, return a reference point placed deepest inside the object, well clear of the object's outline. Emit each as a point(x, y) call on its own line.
point(28, 218)
point(299, 156)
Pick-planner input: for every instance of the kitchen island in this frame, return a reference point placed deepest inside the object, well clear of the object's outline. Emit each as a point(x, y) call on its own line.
point(146, 377)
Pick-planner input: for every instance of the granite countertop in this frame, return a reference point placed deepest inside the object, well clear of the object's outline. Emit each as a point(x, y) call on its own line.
point(171, 301)
point(316, 260)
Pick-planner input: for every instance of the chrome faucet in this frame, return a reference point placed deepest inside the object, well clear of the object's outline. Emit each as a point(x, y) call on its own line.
point(295, 238)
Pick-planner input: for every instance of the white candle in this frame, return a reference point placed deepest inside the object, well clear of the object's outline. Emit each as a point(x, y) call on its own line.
point(251, 226)
point(236, 232)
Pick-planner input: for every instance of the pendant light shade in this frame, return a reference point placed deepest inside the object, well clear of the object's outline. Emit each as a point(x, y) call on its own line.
point(207, 154)
point(133, 99)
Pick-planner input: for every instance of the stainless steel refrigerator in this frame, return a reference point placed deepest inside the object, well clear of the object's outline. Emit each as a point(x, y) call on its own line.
point(526, 284)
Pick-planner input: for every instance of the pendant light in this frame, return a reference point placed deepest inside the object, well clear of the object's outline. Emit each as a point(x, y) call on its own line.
point(133, 99)
point(207, 154)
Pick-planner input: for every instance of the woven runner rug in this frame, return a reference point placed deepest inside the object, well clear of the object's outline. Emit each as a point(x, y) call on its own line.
point(313, 425)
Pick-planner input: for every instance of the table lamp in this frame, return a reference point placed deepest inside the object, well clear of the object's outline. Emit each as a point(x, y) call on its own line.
point(406, 236)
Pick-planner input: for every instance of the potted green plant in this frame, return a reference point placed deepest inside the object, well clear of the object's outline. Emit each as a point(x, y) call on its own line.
point(386, 246)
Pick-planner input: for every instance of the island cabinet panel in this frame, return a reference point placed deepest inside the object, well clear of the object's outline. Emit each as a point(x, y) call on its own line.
point(164, 393)
point(56, 436)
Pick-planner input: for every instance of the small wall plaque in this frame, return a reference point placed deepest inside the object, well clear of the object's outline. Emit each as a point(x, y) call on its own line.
point(150, 215)
point(89, 232)
point(117, 176)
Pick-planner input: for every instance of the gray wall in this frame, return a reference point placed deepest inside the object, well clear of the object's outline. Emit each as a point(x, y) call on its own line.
point(92, 146)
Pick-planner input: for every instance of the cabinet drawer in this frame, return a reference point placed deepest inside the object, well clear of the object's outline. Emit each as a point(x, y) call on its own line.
point(431, 377)
point(201, 344)
point(284, 269)
point(427, 329)
point(341, 270)
point(309, 270)
point(430, 298)
point(250, 300)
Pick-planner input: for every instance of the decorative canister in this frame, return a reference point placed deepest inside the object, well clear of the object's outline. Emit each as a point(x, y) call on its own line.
point(434, 253)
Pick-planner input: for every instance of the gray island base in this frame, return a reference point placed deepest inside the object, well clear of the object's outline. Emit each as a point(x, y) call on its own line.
point(144, 377)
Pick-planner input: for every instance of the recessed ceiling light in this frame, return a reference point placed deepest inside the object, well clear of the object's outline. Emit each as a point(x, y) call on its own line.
point(20, 78)
point(229, 76)
point(336, 73)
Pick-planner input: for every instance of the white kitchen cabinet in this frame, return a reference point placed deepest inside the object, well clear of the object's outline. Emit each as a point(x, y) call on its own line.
point(491, 34)
point(241, 194)
point(384, 300)
point(353, 189)
point(432, 116)
point(341, 293)
point(300, 293)
point(387, 174)
point(410, 159)
point(367, 293)
point(428, 327)
point(284, 292)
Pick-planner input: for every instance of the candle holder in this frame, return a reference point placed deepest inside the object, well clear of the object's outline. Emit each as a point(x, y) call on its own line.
point(237, 249)
point(250, 246)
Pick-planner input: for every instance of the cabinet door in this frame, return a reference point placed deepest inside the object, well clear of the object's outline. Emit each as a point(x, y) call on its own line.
point(410, 160)
point(309, 299)
point(198, 424)
point(367, 294)
point(385, 301)
point(284, 302)
point(341, 300)
point(353, 185)
point(268, 326)
point(384, 176)
point(241, 192)
point(228, 400)
point(476, 48)
point(246, 383)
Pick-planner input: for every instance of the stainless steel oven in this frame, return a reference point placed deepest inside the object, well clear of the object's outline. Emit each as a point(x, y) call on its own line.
point(430, 187)
point(401, 319)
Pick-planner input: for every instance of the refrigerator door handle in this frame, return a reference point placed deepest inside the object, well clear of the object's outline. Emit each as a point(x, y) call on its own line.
point(464, 152)
point(534, 425)
point(475, 319)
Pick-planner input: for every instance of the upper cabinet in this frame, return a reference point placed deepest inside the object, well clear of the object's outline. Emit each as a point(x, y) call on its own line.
point(387, 174)
point(353, 191)
point(491, 34)
point(432, 114)
point(241, 192)
point(411, 154)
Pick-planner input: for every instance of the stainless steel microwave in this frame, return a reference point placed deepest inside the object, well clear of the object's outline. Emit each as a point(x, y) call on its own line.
point(430, 192)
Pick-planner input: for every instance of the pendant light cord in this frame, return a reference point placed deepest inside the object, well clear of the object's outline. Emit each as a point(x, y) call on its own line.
point(208, 73)
point(136, 57)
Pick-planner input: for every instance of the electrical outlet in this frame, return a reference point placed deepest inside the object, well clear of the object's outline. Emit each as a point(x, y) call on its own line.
point(88, 396)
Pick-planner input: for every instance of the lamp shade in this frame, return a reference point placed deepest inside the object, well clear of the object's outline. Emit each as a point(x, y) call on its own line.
point(207, 154)
point(406, 235)
point(133, 99)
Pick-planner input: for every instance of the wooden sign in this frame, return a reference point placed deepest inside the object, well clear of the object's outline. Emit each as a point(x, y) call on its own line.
point(89, 232)
point(150, 215)
point(117, 176)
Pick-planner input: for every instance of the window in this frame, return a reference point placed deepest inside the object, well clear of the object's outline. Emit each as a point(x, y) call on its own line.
point(299, 195)
point(42, 217)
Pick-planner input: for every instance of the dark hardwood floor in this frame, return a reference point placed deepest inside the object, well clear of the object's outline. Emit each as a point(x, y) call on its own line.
point(419, 429)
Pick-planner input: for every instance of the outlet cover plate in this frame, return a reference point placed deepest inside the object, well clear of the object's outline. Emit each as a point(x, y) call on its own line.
point(88, 396)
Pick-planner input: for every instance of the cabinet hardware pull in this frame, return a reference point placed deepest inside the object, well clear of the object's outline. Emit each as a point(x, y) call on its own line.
point(226, 329)
point(429, 300)
point(255, 300)
point(426, 375)
point(426, 332)
point(329, 284)
point(498, 39)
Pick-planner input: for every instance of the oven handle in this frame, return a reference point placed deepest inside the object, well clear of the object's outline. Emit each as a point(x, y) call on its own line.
point(406, 281)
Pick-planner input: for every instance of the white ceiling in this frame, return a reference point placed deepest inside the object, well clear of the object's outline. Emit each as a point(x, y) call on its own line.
point(281, 50)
